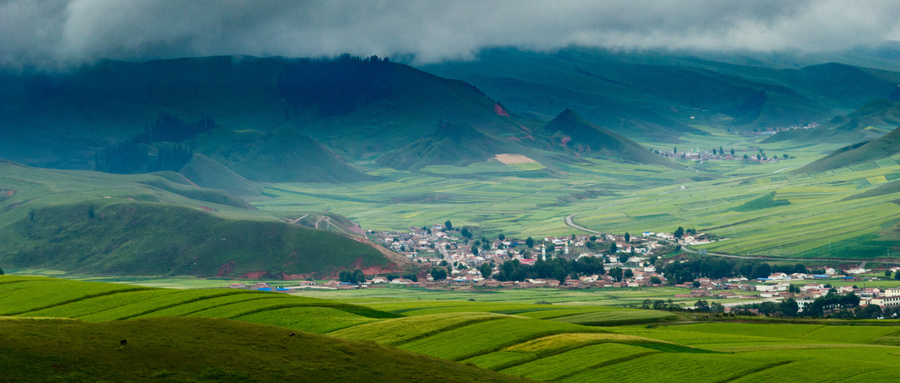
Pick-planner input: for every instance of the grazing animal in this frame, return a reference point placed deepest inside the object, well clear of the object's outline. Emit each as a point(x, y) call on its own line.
point(123, 342)
point(292, 334)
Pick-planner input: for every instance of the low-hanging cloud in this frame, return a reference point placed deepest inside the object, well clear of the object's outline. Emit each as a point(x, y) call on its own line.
point(65, 33)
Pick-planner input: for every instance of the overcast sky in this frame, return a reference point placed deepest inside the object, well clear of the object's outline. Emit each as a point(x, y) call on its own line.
point(61, 33)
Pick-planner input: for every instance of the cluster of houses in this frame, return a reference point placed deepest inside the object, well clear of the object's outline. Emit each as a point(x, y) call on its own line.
point(721, 155)
point(436, 246)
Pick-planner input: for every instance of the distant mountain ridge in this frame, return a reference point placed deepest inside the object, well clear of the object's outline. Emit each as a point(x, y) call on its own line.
point(660, 95)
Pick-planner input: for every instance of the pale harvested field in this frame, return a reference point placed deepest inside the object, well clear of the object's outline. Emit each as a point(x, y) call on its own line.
point(510, 159)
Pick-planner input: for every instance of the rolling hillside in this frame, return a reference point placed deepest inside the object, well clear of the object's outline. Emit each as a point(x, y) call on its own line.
point(886, 146)
point(572, 132)
point(95, 223)
point(280, 155)
point(453, 143)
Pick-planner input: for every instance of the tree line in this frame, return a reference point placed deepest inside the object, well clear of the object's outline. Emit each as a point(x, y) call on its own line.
point(718, 268)
point(336, 86)
point(557, 268)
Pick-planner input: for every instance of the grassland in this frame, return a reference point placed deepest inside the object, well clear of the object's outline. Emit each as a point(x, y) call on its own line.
point(514, 339)
point(195, 349)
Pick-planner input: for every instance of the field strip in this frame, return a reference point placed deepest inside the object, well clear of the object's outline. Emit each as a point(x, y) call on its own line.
point(445, 329)
point(164, 307)
point(759, 369)
point(513, 343)
point(80, 298)
point(607, 363)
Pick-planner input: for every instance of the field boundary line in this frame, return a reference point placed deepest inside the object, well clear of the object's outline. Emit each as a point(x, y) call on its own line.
point(521, 340)
point(547, 354)
point(223, 305)
point(607, 363)
point(755, 370)
point(89, 296)
point(192, 300)
point(448, 328)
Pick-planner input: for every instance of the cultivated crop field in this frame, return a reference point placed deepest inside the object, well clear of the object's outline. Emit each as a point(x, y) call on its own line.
point(517, 338)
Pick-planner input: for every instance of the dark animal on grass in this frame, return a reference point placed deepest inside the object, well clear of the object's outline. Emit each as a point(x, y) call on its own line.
point(292, 334)
point(123, 342)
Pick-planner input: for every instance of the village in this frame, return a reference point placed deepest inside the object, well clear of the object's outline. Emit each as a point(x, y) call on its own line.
point(458, 261)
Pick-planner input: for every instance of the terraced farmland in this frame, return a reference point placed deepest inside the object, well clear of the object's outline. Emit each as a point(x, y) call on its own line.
point(93, 301)
point(516, 339)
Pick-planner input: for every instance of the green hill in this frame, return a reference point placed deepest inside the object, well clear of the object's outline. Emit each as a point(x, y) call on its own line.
point(196, 349)
point(140, 238)
point(97, 223)
point(883, 147)
point(207, 172)
point(454, 143)
point(572, 132)
point(280, 155)
point(863, 124)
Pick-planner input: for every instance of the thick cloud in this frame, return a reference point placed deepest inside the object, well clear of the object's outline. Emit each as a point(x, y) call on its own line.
point(59, 33)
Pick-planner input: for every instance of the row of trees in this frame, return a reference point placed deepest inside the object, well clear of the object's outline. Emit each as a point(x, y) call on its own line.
point(716, 268)
point(336, 86)
point(557, 268)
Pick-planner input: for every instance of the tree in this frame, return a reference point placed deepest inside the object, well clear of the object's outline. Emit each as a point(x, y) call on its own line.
point(629, 273)
point(485, 270)
point(887, 274)
point(627, 237)
point(623, 258)
point(714, 151)
point(561, 275)
point(695, 284)
point(679, 232)
point(529, 242)
point(345, 276)
point(474, 249)
point(612, 248)
point(439, 274)
point(358, 276)
point(675, 150)
point(448, 225)
point(616, 273)
point(785, 156)
point(732, 152)
point(789, 308)
point(411, 276)
point(655, 280)
point(501, 237)
point(702, 305)
point(466, 233)
point(897, 276)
